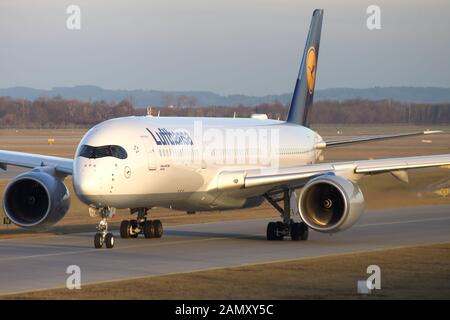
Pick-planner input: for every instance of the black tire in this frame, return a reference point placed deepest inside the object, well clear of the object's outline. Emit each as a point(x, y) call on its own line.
point(299, 231)
point(280, 226)
point(271, 231)
point(109, 240)
point(304, 234)
point(157, 228)
point(295, 231)
point(149, 229)
point(125, 229)
point(98, 240)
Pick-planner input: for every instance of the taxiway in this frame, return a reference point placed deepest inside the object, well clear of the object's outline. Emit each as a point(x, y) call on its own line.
point(40, 262)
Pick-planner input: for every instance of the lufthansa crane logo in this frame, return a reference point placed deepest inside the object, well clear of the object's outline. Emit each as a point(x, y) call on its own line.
point(311, 68)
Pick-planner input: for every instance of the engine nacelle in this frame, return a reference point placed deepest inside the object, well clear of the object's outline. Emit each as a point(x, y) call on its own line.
point(36, 200)
point(330, 203)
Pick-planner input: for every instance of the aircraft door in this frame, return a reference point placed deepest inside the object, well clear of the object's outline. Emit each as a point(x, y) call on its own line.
point(150, 153)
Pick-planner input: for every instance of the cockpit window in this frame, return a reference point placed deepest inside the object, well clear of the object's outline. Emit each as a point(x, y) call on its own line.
point(90, 152)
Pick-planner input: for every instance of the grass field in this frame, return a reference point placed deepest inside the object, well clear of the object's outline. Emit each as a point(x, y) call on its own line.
point(424, 187)
point(408, 273)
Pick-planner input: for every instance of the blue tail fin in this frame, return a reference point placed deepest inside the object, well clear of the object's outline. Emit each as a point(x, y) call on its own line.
point(304, 87)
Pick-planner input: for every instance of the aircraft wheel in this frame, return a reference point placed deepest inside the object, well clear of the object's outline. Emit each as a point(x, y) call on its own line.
point(149, 229)
point(299, 231)
point(109, 240)
point(98, 240)
point(304, 234)
point(280, 228)
point(272, 231)
point(157, 228)
point(125, 229)
point(295, 231)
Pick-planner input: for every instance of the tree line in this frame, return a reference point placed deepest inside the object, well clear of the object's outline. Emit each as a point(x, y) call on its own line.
point(66, 113)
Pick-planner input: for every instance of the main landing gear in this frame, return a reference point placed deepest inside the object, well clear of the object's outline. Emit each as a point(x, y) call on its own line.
point(149, 228)
point(103, 236)
point(289, 213)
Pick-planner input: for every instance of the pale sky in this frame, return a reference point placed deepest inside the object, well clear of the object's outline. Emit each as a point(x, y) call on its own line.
point(225, 46)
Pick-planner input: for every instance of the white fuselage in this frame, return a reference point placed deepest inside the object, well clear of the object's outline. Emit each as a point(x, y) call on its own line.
point(174, 161)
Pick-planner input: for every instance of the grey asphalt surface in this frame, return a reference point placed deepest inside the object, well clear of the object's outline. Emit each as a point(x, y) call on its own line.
point(41, 262)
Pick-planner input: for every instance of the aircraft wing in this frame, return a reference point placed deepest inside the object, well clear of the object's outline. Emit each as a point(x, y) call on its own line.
point(297, 176)
point(30, 160)
point(336, 143)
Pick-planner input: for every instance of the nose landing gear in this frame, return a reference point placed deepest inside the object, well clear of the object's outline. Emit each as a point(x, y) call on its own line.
point(149, 228)
point(103, 236)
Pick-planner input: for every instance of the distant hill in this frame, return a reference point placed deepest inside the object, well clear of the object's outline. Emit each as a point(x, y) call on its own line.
point(142, 98)
point(403, 94)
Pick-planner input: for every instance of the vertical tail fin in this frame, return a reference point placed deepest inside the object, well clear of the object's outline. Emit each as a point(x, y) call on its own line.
point(304, 87)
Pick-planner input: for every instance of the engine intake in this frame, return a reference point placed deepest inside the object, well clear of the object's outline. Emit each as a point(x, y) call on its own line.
point(36, 200)
point(331, 203)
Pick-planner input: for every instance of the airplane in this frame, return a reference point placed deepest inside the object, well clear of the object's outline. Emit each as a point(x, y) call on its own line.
point(142, 162)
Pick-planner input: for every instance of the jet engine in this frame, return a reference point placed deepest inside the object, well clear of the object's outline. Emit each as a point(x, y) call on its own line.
point(330, 203)
point(36, 200)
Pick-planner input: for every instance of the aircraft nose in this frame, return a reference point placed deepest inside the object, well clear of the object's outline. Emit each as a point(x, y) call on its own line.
point(87, 182)
point(84, 185)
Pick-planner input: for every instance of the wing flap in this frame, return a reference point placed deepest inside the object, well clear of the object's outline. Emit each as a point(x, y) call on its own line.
point(384, 165)
point(296, 176)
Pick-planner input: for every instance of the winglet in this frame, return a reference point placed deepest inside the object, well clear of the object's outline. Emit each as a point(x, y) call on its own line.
point(302, 98)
